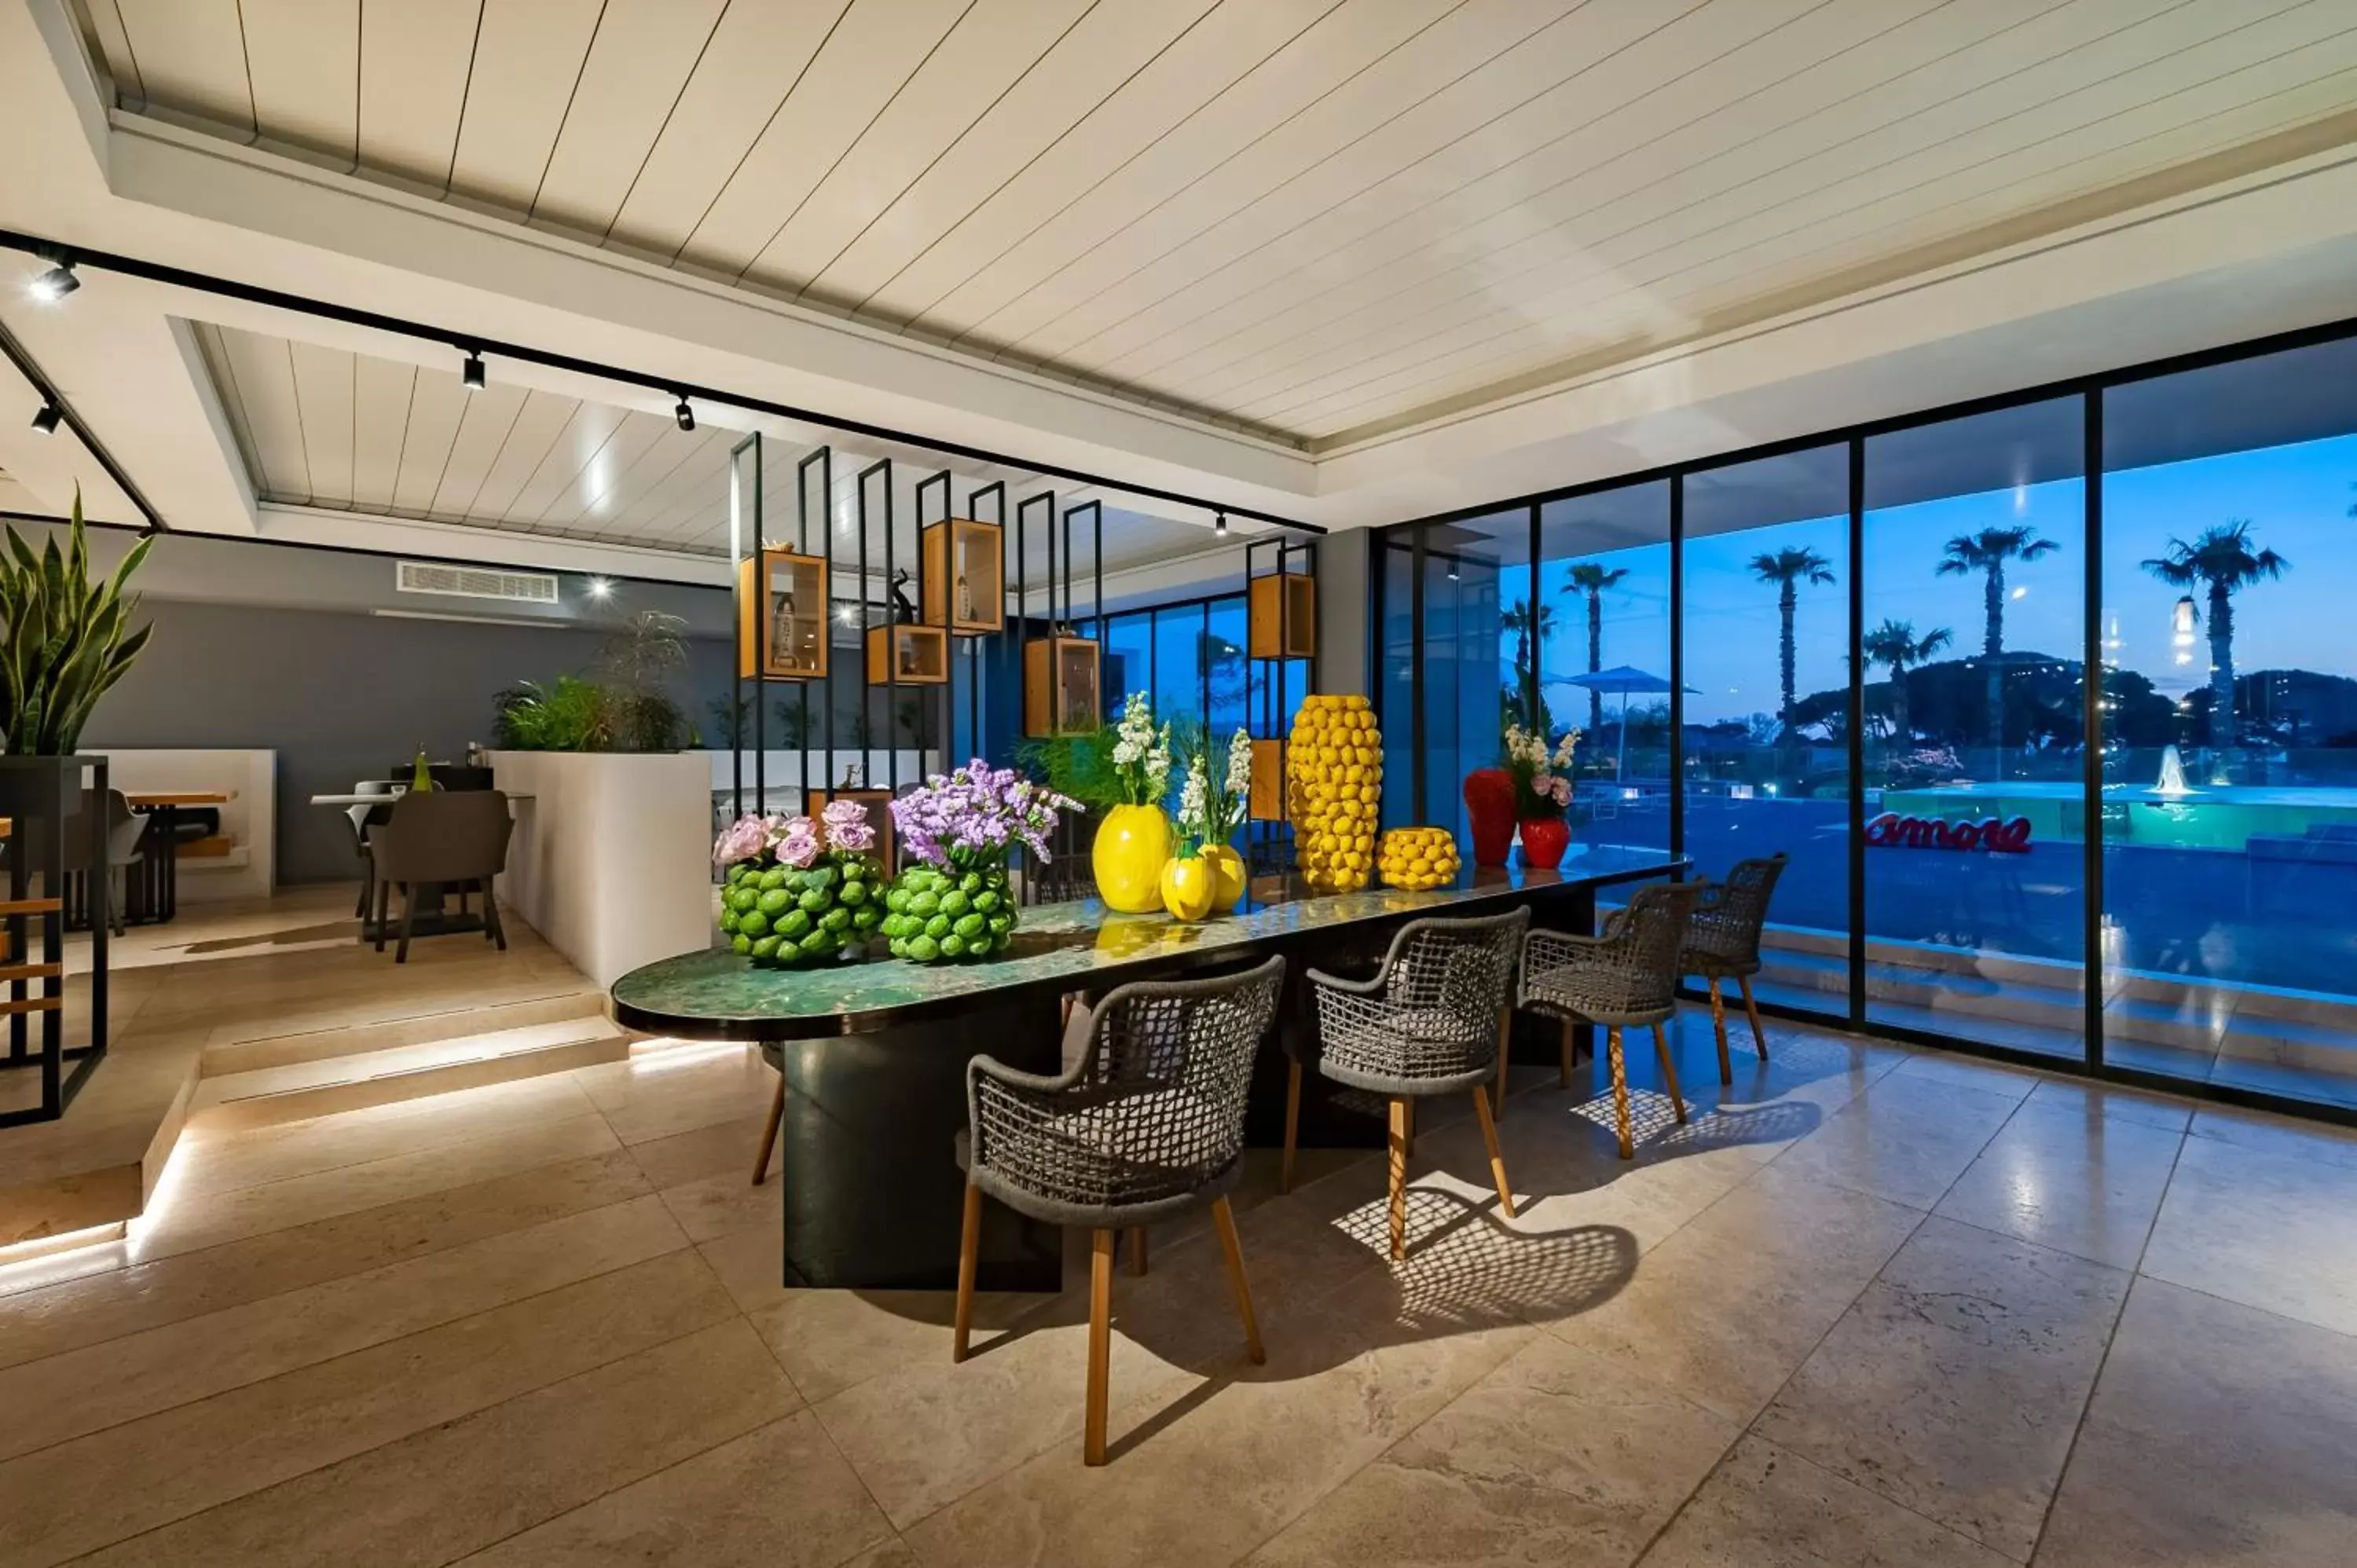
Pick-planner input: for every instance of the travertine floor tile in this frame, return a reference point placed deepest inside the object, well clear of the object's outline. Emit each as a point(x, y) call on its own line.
point(2271, 1223)
point(778, 1498)
point(1953, 1385)
point(714, 1205)
point(1904, 1140)
point(2077, 1181)
point(2121, 1104)
point(828, 1340)
point(2003, 1078)
point(1766, 1509)
point(2217, 1434)
point(721, 1148)
point(440, 1494)
point(2282, 1134)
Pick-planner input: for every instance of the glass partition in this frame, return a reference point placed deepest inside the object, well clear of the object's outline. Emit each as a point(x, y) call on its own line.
point(1604, 669)
point(1478, 649)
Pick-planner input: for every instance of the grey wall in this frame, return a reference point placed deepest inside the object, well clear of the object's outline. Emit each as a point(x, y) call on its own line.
point(1343, 643)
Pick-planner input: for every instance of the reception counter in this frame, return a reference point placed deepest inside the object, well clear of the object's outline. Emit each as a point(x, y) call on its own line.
point(875, 1052)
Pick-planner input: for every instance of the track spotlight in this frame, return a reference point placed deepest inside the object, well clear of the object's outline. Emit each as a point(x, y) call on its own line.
point(473, 373)
point(685, 415)
point(45, 422)
point(600, 588)
point(56, 283)
point(1220, 525)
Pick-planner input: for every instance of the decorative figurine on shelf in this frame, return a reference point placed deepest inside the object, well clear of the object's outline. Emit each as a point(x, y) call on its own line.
point(782, 640)
point(800, 891)
point(1334, 766)
point(903, 612)
point(952, 902)
point(855, 775)
point(1135, 838)
point(965, 599)
point(1542, 793)
point(1210, 809)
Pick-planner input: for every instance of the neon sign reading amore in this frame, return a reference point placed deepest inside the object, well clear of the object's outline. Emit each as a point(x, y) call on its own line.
point(1891, 831)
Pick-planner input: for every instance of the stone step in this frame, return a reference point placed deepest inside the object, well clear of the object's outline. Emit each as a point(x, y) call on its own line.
point(295, 1092)
point(437, 1018)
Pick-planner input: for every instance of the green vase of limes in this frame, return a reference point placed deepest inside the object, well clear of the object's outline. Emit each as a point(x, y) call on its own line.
point(950, 914)
point(800, 891)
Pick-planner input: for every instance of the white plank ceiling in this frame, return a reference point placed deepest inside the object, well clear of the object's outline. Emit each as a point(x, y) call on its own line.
point(329, 428)
point(1317, 218)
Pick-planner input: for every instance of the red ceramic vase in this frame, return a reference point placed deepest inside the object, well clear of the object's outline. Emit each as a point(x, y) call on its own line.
point(1490, 802)
point(1543, 841)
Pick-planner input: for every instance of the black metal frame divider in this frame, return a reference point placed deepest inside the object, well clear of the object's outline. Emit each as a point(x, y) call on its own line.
point(2090, 389)
point(44, 789)
point(1267, 842)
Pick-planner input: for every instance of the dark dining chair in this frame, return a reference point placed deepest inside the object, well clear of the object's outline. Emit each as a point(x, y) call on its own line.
point(1148, 1123)
point(366, 820)
point(126, 845)
point(1625, 978)
point(436, 840)
point(1723, 944)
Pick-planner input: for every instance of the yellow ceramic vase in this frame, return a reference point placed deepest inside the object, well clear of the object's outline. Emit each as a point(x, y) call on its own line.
point(1228, 877)
point(1131, 846)
point(1188, 886)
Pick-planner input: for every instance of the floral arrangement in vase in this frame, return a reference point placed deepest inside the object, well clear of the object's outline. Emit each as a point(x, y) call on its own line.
point(952, 903)
point(800, 890)
point(1211, 807)
point(1132, 842)
point(1541, 781)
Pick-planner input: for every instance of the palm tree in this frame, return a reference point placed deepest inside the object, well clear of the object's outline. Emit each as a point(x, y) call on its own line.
point(1894, 643)
point(1986, 552)
point(1592, 580)
point(2223, 560)
point(1526, 622)
point(1787, 569)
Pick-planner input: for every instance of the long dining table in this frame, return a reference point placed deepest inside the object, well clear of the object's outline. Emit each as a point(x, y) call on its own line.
point(875, 1052)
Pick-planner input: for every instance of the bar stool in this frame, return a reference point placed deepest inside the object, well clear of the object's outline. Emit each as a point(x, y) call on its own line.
point(1625, 978)
point(1148, 1123)
point(1723, 944)
point(1431, 1021)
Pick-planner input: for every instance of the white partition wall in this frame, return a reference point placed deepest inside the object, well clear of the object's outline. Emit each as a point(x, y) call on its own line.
point(241, 862)
point(611, 861)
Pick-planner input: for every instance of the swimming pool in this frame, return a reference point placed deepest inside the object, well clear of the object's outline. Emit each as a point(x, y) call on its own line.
point(2220, 816)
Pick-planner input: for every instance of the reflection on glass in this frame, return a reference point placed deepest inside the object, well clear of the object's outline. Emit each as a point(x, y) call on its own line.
point(2229, 814)
point(1767, 646)
point(1604, 668)
point(1128, 660)
point(1481, 635)
point(1976, 717)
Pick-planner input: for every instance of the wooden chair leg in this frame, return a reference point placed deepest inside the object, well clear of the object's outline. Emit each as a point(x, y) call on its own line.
point(1718, 1027)
point(969, 1249)
point(1751, 1008)
point(1407, 1111)
point(1292, 1121)
point(1138, 1251)
point(770, 1133)
point(1398, 1155)
point(1505, 1035)
point(1669, 1072)
point(1620, 1094)
point(1093, 1441)
point(1224, 1219)
point(1496, 1160)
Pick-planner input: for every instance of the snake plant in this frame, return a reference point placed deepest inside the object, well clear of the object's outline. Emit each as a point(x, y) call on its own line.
point(64, 638)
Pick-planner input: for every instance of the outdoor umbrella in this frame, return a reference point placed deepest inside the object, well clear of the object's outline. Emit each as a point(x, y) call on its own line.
point(1623, 678)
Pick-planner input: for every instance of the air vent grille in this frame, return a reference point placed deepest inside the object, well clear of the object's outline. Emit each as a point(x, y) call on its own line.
point(476, 583)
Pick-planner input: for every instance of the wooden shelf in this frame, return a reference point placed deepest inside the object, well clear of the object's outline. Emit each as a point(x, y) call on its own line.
point(1282, 616)
point(1264, 802)
point(965, 578)
point(792, 594)
point(1061, 687)
point(919, 655)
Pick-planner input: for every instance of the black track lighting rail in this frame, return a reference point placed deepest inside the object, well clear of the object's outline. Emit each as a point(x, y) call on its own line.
point(70, 256)
point(56, 410)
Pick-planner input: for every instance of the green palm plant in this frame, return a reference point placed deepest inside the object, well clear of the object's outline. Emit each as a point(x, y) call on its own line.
point(1986, 552)
point(64, 640)
point(1591, 580)
point(1895, 644)
point(1786, 569)
point(2221, 560)
point(1526, 621)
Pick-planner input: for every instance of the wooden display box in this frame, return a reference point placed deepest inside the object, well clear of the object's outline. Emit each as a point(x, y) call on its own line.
point(1060, 687)
point(1266, 801)
point(791, 593)
point(1282, 614)
point(965, 580)
point(878, 805)
point(920, 655)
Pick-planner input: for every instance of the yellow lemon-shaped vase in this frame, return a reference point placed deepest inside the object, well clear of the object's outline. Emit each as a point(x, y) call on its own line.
point(1228, 876)
point(1131, 847)
point(1188, 886)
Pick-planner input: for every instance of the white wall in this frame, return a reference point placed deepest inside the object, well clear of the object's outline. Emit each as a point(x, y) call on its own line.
point(249, 819)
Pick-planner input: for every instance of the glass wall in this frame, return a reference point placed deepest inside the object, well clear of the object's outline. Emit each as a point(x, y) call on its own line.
point(1973, 627)
point(2229, 814)
point(1604, 666)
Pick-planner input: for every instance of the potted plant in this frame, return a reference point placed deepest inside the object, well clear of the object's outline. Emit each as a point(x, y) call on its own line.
point(799, 891)
point(1133, 841)
point(1212, 804)
point(64, 638)
point(1542, 792)
point(952, 902)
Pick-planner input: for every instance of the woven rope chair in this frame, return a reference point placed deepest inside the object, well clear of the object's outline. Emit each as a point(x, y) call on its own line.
point(1431, 1021)
point(1149, 1122)
point(1626, 978)
point(1723, 944)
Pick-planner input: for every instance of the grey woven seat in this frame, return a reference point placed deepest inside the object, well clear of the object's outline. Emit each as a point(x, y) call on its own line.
point(1431, 1021)
point(1723, 944)
point(1147, 1123)
point(1625, 978)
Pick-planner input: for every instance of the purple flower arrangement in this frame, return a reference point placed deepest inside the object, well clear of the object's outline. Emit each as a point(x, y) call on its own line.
point(976, 814)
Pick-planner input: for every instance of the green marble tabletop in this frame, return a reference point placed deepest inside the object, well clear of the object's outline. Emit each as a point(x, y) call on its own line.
point(1059, 948)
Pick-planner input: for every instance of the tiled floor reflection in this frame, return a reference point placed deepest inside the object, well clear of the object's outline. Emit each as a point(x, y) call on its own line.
point(1863, 1307)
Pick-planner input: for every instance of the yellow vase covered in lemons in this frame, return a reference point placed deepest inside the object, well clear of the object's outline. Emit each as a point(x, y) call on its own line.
point(1188, 885)
point(1228, 877)
point(1131, 846)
